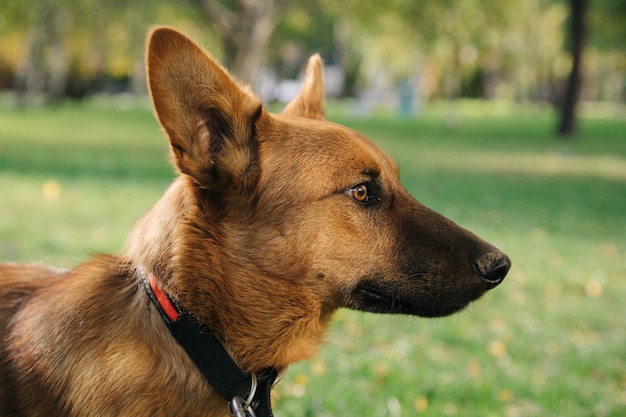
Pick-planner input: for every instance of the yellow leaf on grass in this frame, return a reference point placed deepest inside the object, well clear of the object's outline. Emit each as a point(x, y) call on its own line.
point(593, 288)
point(473, 369)
point(505, 395)
point(318, 367)
point(497, 348)
point(51, 190)
point(421, 403)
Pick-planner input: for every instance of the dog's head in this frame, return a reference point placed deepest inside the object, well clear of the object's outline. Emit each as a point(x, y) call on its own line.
point(289, 211)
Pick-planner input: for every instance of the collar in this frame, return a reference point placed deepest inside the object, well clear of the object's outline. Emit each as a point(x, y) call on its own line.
point(248, 395)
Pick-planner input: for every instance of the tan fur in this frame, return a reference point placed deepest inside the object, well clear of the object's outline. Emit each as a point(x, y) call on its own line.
point(261, 238)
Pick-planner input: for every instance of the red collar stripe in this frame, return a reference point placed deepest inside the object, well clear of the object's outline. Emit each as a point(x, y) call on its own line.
point(163, 299)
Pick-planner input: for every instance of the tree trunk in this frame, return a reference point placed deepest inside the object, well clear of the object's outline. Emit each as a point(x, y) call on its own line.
point(58, 61)
point(30, 77)
point(245, 29)
point(568, 123)
point(41, 77)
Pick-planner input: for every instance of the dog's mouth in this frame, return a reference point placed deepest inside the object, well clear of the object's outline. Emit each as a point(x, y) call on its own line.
point(376, 298)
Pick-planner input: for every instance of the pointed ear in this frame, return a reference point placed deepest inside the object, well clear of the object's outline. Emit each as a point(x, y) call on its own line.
point(309, 102)
point(208, 118)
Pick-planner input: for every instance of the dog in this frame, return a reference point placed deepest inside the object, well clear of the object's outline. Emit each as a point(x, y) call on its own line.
point(274, 222)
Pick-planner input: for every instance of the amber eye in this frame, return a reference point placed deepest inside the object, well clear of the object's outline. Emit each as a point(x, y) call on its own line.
point(360, 193)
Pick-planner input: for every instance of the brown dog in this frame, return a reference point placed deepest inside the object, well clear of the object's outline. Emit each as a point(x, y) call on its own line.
point(274, 223)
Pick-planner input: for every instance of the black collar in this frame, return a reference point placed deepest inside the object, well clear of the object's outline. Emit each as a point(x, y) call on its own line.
point(247, 395)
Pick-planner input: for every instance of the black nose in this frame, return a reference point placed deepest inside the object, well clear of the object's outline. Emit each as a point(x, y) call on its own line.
point(493, 267)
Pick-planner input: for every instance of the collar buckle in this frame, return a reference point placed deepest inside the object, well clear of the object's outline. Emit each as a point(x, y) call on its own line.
point(237, 407)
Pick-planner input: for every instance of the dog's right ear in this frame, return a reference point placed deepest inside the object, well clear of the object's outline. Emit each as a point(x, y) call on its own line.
point(309, 102)
point(208, 118)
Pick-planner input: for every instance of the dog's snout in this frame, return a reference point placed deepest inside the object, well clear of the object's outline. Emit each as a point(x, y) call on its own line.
point(493, 266)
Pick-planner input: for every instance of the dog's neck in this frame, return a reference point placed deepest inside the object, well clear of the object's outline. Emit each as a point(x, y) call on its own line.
point(240, 389)
point(199, 275)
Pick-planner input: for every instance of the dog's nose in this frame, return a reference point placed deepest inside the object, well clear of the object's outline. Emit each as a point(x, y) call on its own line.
point(493, 266)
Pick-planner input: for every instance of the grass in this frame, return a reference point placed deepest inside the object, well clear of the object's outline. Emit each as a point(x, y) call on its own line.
point(550, 341)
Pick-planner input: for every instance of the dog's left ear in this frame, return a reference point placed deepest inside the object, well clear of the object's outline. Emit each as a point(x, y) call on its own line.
point(309, 102)
point(209, 119)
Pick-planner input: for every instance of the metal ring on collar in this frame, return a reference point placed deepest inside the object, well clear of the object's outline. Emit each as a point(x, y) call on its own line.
point(239, 408)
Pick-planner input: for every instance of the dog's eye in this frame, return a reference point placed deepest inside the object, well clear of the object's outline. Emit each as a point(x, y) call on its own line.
point(365, 193)
point(360, 193)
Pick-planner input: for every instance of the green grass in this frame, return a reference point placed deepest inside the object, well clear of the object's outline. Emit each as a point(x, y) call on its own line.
point(550, 341)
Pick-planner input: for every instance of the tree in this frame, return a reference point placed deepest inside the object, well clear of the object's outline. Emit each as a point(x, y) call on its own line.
point(245, 27)
point(43, 73)
point(69, 46)
point(577, 35)
point(607, 19)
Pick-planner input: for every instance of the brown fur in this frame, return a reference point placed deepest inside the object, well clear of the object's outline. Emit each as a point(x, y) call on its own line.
point(261, 237)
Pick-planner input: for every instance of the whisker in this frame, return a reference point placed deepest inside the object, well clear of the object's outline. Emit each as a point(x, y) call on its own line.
point(414, 275)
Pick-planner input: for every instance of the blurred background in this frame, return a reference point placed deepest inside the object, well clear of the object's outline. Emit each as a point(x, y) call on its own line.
point(395, 53)
point(506, 116)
